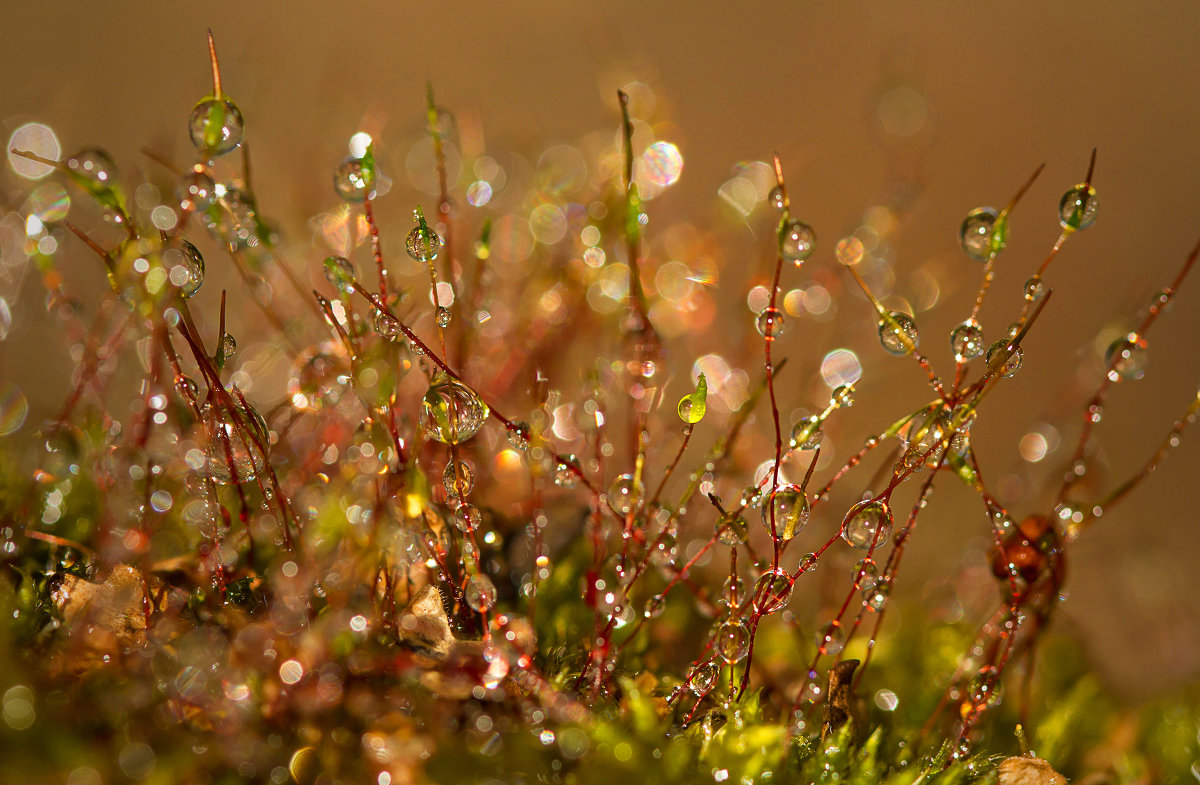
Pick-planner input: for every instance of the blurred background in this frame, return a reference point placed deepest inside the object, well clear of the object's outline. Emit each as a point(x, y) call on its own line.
point(892, 120)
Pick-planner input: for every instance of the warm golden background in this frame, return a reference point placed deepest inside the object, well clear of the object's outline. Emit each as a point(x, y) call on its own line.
point(1002, 87)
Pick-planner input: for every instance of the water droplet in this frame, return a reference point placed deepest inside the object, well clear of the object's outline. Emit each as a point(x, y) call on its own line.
point(340, 272)
point(316, 379)
point(796, 241)
point(353, 181)
point(966, 341)
point(866, 573)
point(518, 435)
point(790, 506)
point(480, 593)
point(985, 687)
point(655, 606)
point(186, 387)
point(216, 126)
point(693, 406)
point(704, 678)
point(386, 325)
point(233, 437)
point(443, 316)
point(564, 471)
point(423, 244)
point(866, 523)
point(976, 232)
point(192, 269)
point(833, 639)
point(770, 323)
point(806, 433)
point(876, 597)
point(624, 494)
point(196, 191)
point(1078, 207)
point(732, 640)
point(94, 168)
point(228, 347)
point(1127, 357)
point(1013, 364)
point(843, 397)
point(925, 436)
point(1035, 288)
point(772, 591)
point(775, 198)
point(731, 529)
point(898, 334)
point(458, 478)
point(451, 412)
point(467, 517)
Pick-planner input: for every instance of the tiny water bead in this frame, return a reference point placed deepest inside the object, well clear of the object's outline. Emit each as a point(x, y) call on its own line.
point(898, 334)
point(876, 596)
point(966, 341)
point(796, 241)
point(480, 593)
point(1077, 210)
point(386, 325)
point(196, 191)
point(458, 478)
point(624, 494)
point(518, 435)
point(866, 573)
point(790, 507)
point(234, 439)
point(867, 523)
point(776, 198)
point(772, 591)
point(843, 397)
point(467, 517)
point(984, 690)
point(1012, 364)
point(770, 323)
point(451, 412)
point(1035, 288)
point(806, 433)
point(1127, 357)
point(731, 529)
point(975, 234)
point(832, 640)
point(216, 126)
point(442, 316)
point(227, 349)
point(352, 180)
point(565, 471)
point(422, 243)
point(339, 271)
point(704, 677)
point(732, 640)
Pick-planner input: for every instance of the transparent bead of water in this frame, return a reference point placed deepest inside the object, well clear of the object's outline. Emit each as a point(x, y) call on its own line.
point(704, 678)
point(316, 379)
point(731, 529)
point(1128, 357)
point(186, 387)
point(467, 517)
point(790, 507)
point(875, 597)
point(925, 437)
point(1013, 364)
point(770, 323)
point(451, 412)
point(518, 435)
point(196, 191)
point(339, 271)
point(806, 433)
point(775, 198)
point(984, 689)
point(751, 495)
point(443, 316)
point(353, 181)
point(866, 573)
point(458, 478)
point(423, 244)
point(867, 523)
point(966, 341)
point(832, 639)
point(797, 241)
point(480, 593)
point(386, 325)
point(975, 233)
point(624, 494)
point(1077, 209)
point(228, 347)
point(185, 268)
point(655, 606)
point(732, 640)
point(564, 474)
point(94, 167)
point(216, 126)
point(233, 438)
point(843, 397)
point(898, 334)
point(1035, 288)
point(772, 591)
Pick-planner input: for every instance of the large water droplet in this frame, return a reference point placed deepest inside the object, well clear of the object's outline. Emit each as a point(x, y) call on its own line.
point(1012, 364)
point(790, 507)
point(353, 181)
point(624, 494)
point(216, 126)
point(423, 244)
point(898, 334)
point(480, 593)
point(772, 591)
point(1127, 357)
point(806, 433)
point(704, 678)
point(797, 241)
point(451, 412)
point(975, 234)
point(234, 438)
point(1078, 207)
point(966, 341)
point(340, 272)
point(866, 523)
point(732, 640)
point(770, 323)
point(196, 191)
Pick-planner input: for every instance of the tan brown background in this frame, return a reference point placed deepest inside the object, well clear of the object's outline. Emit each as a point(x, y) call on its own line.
point(1007, 86)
